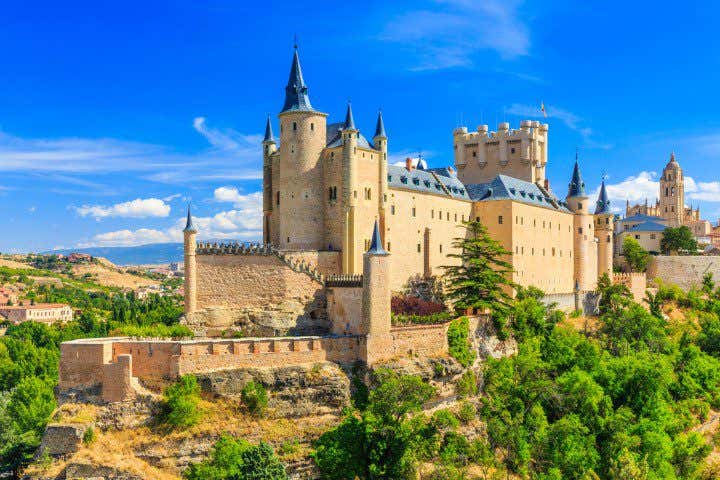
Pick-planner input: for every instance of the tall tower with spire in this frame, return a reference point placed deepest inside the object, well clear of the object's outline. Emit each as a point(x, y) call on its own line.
point(585, 247)
point(298, 183)
point(375, 323)
point(604, 227)
point(380, 142)
point(269, 148)
point(189, 247)
point(672, 193)
point(349, 137)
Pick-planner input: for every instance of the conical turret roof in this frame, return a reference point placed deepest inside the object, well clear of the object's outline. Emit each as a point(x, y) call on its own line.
point(189, 226)
point(380, 126)
point(577, 186)
point(349, 120)
point(268, 131)
point(603, 202)
point(376, 247)
point(296, 92)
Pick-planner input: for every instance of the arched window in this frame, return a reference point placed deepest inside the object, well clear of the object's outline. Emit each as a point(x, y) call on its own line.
point(277, 198)
point(294, 126)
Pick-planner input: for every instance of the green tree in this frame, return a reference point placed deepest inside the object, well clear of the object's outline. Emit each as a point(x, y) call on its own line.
point(237, 459)
point(481, 280)
point(181, 401)
point(636, 256)
point(679, 239)
point(613, 296)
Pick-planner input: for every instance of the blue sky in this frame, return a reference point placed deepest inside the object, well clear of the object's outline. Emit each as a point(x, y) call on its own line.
point(113, 115)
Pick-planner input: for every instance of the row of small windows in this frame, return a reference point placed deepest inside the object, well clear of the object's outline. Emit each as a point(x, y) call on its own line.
point(295, 127)
point(553, 252)
point(427, 183)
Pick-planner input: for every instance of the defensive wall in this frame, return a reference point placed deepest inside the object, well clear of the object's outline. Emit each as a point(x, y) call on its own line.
point(114, 368)
point(684, 271)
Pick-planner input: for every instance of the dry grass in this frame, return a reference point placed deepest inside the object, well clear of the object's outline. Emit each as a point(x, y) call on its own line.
point(109, 276)
point(13, 264)
point(75, 413)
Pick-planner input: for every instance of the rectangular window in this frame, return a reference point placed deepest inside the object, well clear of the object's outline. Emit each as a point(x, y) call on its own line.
point(392, 209)
point(500, 219)
point(440, 248)
point(418, 248)
point(432, 213)
point(388, 246)
point(413, 211)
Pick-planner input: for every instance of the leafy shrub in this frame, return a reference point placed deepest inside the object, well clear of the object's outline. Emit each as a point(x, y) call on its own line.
point(181, 401)
point(411, 305)
point(466, 412)
point(254, 397)
point(159, 330)
point(432, 319)
point(466, 385)
point(89, 436)
point(237, 459)
point(444, 419)
point(458, 342)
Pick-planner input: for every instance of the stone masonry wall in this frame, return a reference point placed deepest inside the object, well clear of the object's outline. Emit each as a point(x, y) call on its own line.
point(684, 271)
point(258, 294)
point(345, 309)
point(422, 340)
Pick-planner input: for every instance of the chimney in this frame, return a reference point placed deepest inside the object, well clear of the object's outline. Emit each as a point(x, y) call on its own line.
point(409, 164)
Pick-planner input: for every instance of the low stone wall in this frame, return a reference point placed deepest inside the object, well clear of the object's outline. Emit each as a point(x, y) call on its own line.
point(422, 340)
point(260, 295)
point(635, 282)
point(684, 271)
point(566, 301)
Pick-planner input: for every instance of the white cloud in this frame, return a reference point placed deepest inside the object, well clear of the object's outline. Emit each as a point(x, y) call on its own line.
point(243, 223)
point(138, 208)
point(230, 155)
point(32, 209)
point(453, 31)
point(172, 197)
point(707, 191)
point(250, 201)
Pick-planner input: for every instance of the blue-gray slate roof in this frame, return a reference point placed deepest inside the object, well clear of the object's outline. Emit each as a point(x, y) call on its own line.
point(349, 120)
point(376, 247)
point(268, 131)
point(503, 187)
point(380, 126)
point(577, 186)
point(189, 226)
point(649, 226)
point(296, 92)
point(334, 136)
point(641, 218)
point(426, 181)
point(603, 202)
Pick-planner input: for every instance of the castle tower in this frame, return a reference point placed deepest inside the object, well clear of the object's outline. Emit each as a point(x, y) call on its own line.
point(349, 191)
point(380, 143)
point(298, 192)
point(189, 246)
point(672, 193)
point(269, 147)
point(604, 227)
point(585, 248)
point(375, 323)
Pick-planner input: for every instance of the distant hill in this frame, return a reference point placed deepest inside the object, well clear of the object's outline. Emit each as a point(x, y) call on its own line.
point(139, 255)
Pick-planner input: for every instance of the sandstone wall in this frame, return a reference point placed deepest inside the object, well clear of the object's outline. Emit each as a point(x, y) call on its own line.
point(684, 271)
point(260, 295)
point(325, 262)
point(344, 305)
point(419, 340)
point(636, 283)
point(81, 363)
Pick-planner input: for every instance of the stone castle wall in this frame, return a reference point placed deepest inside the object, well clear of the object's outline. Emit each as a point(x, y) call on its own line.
point(260, 294)
point(344, 305)
point(684, 271)
point(636, 283)
point(420, 340)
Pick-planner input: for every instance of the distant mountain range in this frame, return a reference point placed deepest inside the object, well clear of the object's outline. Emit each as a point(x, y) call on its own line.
point(140, 255)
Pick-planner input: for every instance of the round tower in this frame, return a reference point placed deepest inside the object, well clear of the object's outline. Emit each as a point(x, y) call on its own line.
point(380, 143)
point(584, 246)
point(189, 247)
point(349, 191)
point(376, 296)
point(269, 147)
point(299, 189)
point(672, 193)
point(604, 229)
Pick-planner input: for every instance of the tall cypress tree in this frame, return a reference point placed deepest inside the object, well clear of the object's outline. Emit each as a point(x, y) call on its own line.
point(482, 280)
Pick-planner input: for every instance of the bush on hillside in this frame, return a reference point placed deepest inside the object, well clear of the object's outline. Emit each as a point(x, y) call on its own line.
point(459, 343)
point(254, 397)
point(181, 401)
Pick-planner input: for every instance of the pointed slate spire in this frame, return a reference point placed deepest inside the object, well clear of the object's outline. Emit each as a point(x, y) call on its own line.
point(189, 226)
point(380, 126)
point(577, 186)
point(349, 121)
point(603, 203)
point(376, 247)
point(296, 92)
point(268, 131)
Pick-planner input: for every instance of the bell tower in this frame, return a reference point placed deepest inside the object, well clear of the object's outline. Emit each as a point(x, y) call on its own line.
point(672, 193)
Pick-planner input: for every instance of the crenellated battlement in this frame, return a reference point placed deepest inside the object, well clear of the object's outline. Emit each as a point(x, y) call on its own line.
point(344, 281)
point(234, 248)
point(528, 128)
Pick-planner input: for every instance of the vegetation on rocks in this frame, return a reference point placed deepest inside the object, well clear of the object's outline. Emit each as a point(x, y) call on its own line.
point(180, 402)
point(237, 459)
point(459, 346)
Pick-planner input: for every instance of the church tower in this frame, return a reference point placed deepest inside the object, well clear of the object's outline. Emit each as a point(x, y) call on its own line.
point(672, 193)
point(604, 226)
point(585, 248)
point(298, 192)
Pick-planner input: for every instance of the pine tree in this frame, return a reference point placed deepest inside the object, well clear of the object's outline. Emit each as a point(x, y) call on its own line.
point(482, 279)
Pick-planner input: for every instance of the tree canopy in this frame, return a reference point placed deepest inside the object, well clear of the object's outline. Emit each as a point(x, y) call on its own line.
point(679, 239)
point(636, 256)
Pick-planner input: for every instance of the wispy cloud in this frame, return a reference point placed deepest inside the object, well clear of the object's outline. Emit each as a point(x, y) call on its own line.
point(570, 119)
point(450, 33)
point(138, 208)
point(230, 154)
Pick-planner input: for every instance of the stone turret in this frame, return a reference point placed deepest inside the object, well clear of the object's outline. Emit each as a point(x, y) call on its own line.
point(189, 247)
point(604, 227)
point(298, 192)
point(585, 247)
point(349, 191)
point(375, 323)
point(269, 147)
point(380, 142)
